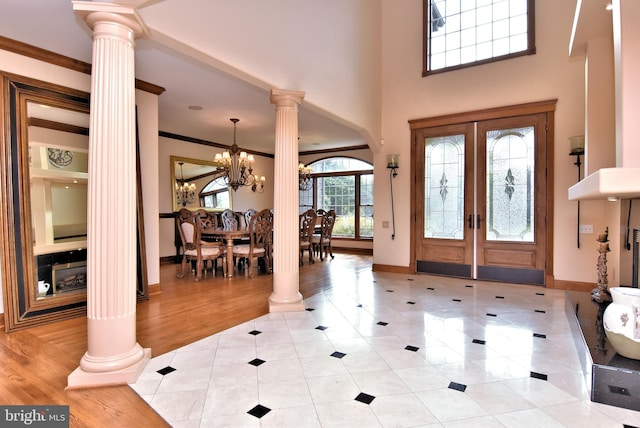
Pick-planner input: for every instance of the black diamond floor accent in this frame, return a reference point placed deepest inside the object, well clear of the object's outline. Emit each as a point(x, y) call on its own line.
point(540, 311)
point(457, 386)
point(338, 354)
point(456, 300)
point(430, 288)
point(359, 306)
point(256, 362)
point(411, 348)
point(539, 294)
point(255, 332)
point(480, 341)
point(389, 291)
point(491, 315)
point(469, 286)
point(499, 297)
point(629, 426)
point(365, 398)
point(411, 303)
point(382, 323)
point(409, 279)
point(540, 376)
point(166, 370)
point(259, 411)
point(541, 336)
point(321, 327)
point(310, 309)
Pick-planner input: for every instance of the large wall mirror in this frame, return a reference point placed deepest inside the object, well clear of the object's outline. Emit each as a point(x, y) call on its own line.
point(44, 167)
point(195, 185)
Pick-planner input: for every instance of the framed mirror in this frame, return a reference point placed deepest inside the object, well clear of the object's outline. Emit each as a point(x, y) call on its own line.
point(195, 185)
point(44, 173)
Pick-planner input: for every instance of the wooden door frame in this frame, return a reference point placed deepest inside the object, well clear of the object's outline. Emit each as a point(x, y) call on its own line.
point(547, 107)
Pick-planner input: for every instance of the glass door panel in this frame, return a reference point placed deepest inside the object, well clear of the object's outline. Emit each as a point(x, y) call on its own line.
point(444, 187)
point(510, 190)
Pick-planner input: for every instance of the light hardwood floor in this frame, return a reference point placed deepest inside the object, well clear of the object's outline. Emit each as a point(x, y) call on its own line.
point(35, 363)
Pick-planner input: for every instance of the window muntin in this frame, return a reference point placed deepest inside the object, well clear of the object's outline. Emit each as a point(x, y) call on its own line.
point(463, 33)
point(214, 195)
point(346, 186)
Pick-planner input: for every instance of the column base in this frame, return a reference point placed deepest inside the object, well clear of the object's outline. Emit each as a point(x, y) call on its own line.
point(292, 306)
point(82, 379)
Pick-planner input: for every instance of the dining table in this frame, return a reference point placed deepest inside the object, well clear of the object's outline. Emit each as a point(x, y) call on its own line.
point(227, 236)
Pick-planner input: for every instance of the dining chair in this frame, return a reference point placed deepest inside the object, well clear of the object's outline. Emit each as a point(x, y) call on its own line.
point(260, 228)
point(322, 241)
point(229, 220)
point(247, 216)
point(194, 249)
point(307, 224)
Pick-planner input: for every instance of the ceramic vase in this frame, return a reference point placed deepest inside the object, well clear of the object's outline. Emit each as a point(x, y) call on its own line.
point(622, 321)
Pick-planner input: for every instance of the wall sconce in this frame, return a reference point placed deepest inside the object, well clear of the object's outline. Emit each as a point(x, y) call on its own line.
point(258, 184)
point(576, 145)
point(392, 165)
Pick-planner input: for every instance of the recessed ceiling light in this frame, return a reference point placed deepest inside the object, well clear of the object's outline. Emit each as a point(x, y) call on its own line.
point(195, 107)
point(609, 6)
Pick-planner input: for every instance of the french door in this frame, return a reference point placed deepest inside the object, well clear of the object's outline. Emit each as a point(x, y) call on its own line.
point(481, 199)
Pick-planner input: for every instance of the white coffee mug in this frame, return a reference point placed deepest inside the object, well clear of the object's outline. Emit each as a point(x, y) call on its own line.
point(43, 287)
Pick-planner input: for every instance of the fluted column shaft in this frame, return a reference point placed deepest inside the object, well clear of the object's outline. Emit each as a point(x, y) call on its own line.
point(113, 352)
point(286, 224)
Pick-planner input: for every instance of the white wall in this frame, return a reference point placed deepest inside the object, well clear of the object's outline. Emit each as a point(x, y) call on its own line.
point(328, 49)
point(549, 74)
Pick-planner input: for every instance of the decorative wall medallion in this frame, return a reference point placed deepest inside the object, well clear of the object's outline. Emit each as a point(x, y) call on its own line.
point(59, 158)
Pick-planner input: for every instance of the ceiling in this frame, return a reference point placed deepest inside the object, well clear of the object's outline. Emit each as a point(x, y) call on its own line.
point(53, 25)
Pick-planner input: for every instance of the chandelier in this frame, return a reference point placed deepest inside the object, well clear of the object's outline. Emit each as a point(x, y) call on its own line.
point(235, 166)
point(304, 177)
point(185, 192)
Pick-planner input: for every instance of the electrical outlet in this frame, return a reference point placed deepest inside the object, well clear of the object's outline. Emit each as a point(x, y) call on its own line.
point(385, 225)
point(586, 228)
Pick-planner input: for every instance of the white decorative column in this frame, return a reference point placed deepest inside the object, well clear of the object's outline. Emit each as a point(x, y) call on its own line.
point(286, 221)
point(113, 355)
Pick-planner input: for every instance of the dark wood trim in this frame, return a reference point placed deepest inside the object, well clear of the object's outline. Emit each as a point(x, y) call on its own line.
point(376, 267)
point(559, 284)
point(486, 114)
point(365, 251)
point(267, 155)
point(154, 289)
point(334, 150)
point(208, 143)
point(40, 54)
point(57, 126)
point(50, 57)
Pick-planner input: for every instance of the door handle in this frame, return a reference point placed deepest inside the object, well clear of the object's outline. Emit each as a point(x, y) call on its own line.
point(470, 220)
point(478, 221)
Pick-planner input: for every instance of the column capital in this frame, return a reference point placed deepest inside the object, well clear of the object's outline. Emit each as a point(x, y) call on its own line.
point(285, 98)
point(94, 12)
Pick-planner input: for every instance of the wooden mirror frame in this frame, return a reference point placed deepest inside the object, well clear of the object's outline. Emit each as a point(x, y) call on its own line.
point(22, 308)
point(175, 160)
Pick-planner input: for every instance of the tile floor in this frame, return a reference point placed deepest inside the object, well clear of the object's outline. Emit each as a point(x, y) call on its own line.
point(388, 350)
